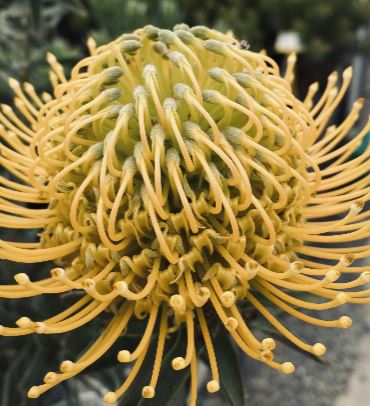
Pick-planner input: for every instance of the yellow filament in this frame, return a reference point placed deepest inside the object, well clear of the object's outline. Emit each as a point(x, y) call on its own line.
point(144, 342)
point(209, 345)
point(180, 362)
point(193, 380)
point(160, 348)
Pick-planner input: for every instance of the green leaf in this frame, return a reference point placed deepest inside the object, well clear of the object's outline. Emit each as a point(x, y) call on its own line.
point(271, 332)
point(35, 9)
point(9, 375)
point(229, 368)
point(74, 6)
point(170, 381)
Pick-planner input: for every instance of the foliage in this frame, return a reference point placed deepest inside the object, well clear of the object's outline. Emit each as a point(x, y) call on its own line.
point(30, 28)
point(113, 17)
point(328, 28)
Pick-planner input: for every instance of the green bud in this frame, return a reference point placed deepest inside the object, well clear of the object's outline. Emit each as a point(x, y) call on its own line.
point(112, 94)
point(114, 110)
point(170, 104)
point(138, 151)
point(157, 131)
point(97, 149)
point(242, 79)
point(179, 27)
point(233, 135)
point(177, 58)
point(149, 70)
point(134, 37)
point(211, 96)
point(114, 72)
point(160, 48)
point(189, 127)
point(240, 99)
point(140, 91)
point(151, 32)
point(180, 90)
point(215, 46)
point(130, 46)
point(217, 74)
point(128, 109)
point(186, 37)
point(167, 36)
point(200, 31)
point(173, 155)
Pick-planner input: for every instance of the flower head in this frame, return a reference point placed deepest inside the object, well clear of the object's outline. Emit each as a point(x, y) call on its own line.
point(179, 172)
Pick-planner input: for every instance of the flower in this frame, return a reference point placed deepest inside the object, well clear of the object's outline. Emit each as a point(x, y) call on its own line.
point(180, 173)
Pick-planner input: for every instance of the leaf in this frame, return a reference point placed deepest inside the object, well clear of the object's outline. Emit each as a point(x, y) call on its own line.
point(9, 375)
point(74, 6)
point(170, 382)
point(229, 368)
point(35, 9)
point(275, 334)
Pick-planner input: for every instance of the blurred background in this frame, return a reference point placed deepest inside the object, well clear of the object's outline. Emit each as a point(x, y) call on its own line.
point(327, 35)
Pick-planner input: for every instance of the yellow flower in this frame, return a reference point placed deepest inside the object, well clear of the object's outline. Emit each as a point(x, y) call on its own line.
point(180, 173)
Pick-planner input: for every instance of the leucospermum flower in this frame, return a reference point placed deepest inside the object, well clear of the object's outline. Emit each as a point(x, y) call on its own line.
point(175, 172)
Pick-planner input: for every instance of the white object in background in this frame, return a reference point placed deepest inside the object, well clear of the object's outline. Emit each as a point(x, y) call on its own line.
point(288, 41)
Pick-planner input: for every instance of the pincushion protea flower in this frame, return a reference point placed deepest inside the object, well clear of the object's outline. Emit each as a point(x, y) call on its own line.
point(180, 174)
